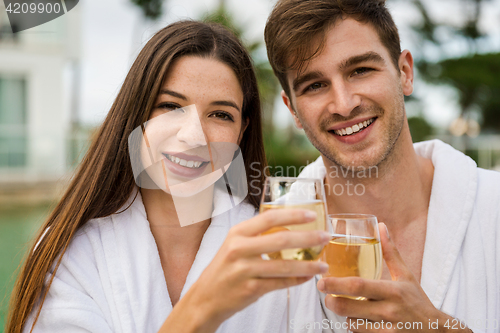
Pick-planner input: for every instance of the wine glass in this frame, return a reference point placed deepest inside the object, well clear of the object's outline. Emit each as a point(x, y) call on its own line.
point(293, 192)
point(354, 249)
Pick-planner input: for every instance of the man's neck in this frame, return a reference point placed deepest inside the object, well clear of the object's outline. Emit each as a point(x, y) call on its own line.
point(397, 191)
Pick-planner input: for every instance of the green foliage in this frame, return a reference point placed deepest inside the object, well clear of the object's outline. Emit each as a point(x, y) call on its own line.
point(287, 152)
point(152, 9)
point(473, 75)
point(223, 17)
point(420, 128)
point(476, 79)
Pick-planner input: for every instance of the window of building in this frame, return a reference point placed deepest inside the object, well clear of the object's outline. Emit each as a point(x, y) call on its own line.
point(13, 136)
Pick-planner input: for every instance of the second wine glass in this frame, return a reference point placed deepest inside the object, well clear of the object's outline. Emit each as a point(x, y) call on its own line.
point(354, 249)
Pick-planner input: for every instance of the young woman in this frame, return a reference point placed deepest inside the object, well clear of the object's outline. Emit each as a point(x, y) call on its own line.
point(121, 252)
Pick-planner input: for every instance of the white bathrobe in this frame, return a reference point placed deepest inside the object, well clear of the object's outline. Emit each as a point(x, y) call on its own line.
point(111, 280)
point(461, 262)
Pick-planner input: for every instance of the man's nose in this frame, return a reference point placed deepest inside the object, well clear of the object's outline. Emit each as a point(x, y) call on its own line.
point(343, 99)
point(190, 130)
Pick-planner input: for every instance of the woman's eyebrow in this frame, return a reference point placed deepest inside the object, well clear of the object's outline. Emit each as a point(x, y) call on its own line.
point(172, 93)
point(181, 96)
point(226, 103)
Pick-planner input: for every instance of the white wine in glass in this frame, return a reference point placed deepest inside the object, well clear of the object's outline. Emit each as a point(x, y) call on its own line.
point(296, 193)
point(354, 249)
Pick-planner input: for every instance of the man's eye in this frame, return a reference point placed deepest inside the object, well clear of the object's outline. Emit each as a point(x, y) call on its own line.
point(222, 116)
point(361, 70)
point(315, 86)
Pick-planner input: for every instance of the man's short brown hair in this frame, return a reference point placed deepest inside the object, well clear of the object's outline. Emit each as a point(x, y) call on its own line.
point(295, 26)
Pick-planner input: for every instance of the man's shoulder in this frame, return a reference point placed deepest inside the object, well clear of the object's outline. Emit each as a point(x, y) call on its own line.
point(491, 176)
point(488, 185)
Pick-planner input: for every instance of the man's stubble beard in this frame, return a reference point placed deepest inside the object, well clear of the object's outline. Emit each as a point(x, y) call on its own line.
point(390, 135)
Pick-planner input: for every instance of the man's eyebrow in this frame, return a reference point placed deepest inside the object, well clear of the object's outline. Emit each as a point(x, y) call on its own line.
point(226, 103)
point(368, 56)
point(299, 80)
point(172, 93)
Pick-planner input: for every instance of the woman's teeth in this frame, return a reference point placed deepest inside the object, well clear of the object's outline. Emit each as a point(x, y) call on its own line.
point(184, 163)
point(355, 128)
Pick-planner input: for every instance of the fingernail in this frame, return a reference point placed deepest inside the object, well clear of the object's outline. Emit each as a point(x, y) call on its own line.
point(387, 232)
point(323, 267)
point(321, 285)
point(310, 215)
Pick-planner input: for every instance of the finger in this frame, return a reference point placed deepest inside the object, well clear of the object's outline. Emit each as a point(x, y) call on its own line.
point(356, 286)
point(287, 268)
point(284, 240)
point(274, 218)
point(396, 265)
point(345, 307)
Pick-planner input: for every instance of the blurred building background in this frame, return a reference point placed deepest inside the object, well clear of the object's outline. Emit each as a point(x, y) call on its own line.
point(58, 80)
point(38, 125)
point(40, 134)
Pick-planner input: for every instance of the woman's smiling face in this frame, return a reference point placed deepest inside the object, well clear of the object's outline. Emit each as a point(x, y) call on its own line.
point(195, 125)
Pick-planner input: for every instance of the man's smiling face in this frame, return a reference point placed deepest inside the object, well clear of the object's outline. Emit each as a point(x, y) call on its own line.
point(349, 99)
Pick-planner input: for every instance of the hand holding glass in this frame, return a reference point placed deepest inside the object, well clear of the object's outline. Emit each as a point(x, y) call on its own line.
point(355, 248)
point(302, 193)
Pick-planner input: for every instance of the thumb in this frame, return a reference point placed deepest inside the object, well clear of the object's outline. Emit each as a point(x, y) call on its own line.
point(396, 265)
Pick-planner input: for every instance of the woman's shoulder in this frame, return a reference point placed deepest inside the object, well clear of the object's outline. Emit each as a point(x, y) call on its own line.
point(103, 245)
point(131, 212)
point(100, 237)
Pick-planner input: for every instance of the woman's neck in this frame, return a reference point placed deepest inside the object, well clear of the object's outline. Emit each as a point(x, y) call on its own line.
point(178, 223)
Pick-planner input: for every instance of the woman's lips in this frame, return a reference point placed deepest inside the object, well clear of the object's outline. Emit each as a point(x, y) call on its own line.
point(187, 157)
point(188, 166)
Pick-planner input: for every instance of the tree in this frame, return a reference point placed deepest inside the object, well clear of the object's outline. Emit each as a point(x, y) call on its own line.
point(473, 74)
point(151, 9)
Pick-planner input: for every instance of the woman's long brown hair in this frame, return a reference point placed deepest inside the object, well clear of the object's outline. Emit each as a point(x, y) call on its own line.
point(104, 180)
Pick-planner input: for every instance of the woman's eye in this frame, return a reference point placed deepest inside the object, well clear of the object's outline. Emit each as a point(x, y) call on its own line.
point(168, 106)
point(222, 116)
point(361, 70)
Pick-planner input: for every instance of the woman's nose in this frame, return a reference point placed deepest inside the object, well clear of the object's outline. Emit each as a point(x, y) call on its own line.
point(190, 130)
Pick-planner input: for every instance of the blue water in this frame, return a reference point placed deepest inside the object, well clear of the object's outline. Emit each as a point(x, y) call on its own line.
point(17, 228)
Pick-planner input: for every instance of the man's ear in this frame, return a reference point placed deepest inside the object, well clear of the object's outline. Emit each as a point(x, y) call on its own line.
point(289, 105)
point(406, 69)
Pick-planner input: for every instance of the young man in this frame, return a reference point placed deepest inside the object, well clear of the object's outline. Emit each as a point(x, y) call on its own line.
point(344, 79)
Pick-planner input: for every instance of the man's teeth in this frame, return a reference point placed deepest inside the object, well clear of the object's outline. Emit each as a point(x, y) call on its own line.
point(184, 163)
point(354, 129)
